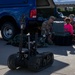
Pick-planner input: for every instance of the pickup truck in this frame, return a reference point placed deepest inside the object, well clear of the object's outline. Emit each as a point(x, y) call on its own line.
point(35, 11)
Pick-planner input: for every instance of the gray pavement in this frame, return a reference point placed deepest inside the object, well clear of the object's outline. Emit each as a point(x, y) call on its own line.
point(64, 60)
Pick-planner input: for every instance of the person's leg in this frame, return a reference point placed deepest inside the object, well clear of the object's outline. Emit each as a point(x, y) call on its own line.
point(49, 39)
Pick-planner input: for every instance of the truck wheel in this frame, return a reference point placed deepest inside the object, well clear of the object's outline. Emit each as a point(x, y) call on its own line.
point(8, 31)
point(12, 62)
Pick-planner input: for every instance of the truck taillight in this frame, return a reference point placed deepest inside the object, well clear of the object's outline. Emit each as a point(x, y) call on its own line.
point(33, 13)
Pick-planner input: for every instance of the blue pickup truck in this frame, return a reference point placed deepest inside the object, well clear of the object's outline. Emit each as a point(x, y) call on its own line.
point(35, 11)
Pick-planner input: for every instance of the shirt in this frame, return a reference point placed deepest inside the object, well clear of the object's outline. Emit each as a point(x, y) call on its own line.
point(68, 28)
point(46, 28)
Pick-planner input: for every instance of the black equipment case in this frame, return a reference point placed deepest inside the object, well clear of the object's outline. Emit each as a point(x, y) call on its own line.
point(60, 37)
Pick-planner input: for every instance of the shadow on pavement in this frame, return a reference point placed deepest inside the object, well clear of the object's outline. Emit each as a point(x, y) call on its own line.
point(59, 50)
point(6, 50)
point(57, 65)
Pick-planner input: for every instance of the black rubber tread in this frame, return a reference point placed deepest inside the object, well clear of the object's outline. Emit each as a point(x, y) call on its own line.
point(35, 63)
point(44, 61)
point(11, 62)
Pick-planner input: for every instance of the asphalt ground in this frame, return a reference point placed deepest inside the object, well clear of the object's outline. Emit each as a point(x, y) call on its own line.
point(64, 60)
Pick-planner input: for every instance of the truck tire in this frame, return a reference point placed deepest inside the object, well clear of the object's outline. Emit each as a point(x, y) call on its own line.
point(11, 62)
point(8, 31)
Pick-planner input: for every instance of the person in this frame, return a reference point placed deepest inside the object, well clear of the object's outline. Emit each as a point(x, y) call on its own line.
point(73, 27)
point(73, 32)
point(46, 29)
point(68, 26)
point(72, 17)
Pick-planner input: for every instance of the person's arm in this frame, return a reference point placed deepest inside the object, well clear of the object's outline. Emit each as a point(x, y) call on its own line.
point(71, 29)
point(43, 28)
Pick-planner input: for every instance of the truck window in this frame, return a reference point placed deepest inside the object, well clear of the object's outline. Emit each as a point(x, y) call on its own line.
point(10, 2)
point(42, 3)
